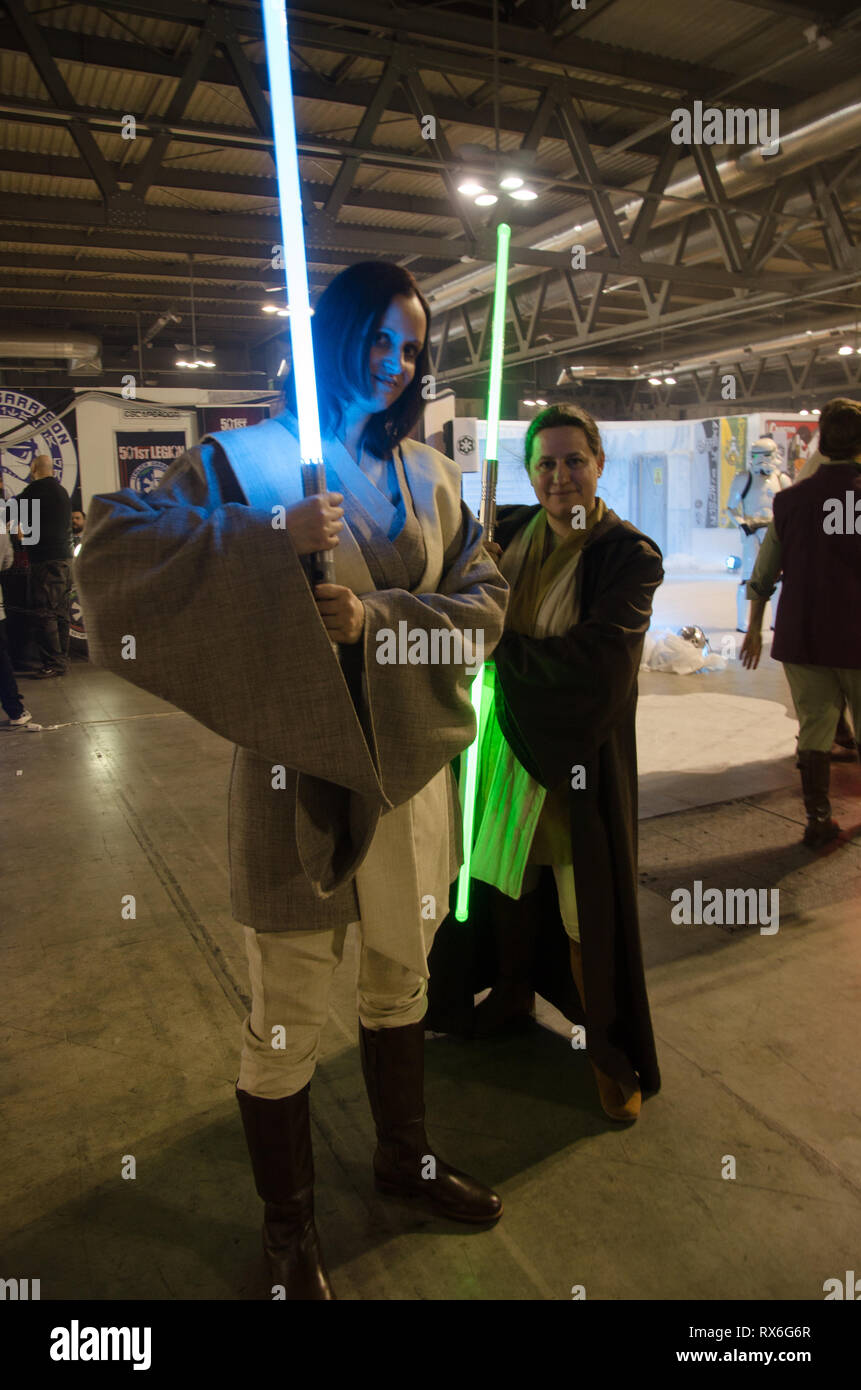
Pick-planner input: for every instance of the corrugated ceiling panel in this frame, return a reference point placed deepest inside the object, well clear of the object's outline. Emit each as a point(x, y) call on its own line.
point(34, 139)
point(688, 33)
point(85, 19)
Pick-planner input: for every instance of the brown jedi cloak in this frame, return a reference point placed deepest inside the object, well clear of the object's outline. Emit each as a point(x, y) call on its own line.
point(564, 701)
point(226, 628)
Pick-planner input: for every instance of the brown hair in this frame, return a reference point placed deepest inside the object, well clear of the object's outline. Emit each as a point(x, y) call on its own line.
point(571, 415)
point(840, 429)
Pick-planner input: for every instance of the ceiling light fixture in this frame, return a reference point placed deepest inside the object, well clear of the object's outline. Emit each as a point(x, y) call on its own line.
point(471, 188)
point(845, 350)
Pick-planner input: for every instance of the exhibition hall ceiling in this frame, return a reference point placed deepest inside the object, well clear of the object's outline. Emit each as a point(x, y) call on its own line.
point(661, 240)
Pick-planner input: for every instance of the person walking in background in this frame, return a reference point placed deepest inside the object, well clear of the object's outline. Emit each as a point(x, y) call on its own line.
point(10, 699)
point(50, 576)
point(815, 542)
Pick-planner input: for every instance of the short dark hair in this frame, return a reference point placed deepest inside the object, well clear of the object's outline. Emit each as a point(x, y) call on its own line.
point(346, 319)
point(840, 428)
point(571, 415)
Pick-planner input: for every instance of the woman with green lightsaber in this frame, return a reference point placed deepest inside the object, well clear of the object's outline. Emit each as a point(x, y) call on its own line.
point(554, 850)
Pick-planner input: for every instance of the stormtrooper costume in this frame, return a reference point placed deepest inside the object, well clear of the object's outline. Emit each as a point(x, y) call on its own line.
point(750, 501)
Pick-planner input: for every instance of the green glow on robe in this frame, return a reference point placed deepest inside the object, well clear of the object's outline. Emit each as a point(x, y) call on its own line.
point(487, 517)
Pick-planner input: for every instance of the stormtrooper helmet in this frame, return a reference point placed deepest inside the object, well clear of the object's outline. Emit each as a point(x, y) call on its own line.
point(765, 456)
point(696, 637)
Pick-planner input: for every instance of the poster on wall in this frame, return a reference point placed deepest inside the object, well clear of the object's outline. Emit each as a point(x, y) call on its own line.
point(733, 456)
point(144, 456)
point(214, 419)
point(795, 439)
point(21, 414)
point(706, 474)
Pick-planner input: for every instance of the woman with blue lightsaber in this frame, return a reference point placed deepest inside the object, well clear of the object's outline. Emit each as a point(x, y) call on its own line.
point(346, 701)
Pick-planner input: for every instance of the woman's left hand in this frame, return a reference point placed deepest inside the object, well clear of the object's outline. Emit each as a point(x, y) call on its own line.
point(343, 614)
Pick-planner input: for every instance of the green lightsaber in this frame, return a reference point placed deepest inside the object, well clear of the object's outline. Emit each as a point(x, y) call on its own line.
point(487, 517)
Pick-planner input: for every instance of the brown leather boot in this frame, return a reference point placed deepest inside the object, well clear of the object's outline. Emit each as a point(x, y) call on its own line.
point(815, 782)
point(404, 1163)
point(278, 1133)
point(617, 1101)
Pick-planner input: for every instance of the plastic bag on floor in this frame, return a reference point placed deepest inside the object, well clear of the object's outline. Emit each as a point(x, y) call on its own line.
point(664, 650)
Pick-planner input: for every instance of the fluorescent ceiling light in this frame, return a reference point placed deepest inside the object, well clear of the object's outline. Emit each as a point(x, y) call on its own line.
point(470, 187)
point(845, 351)
point(654, 381)
point(510, 182)
point(523, 195)
point(669, 381)
point(486, 200)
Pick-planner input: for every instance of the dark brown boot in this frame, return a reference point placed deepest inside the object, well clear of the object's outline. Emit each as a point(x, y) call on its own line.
point(815, 782)
point(512, 998)
point(404, 1163)
point(278, 1133)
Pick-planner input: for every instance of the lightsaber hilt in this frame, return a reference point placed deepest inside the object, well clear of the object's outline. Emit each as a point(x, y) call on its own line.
point(320, 566)
point(487, 505)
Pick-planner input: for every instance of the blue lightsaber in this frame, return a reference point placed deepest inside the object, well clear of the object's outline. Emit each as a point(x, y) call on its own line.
point(293, 248)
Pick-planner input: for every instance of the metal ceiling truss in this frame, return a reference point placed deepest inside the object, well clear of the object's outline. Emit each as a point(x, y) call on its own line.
point(546, 64)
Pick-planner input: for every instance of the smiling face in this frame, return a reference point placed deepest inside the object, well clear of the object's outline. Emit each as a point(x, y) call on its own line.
point(564, 472)
point(396, 346)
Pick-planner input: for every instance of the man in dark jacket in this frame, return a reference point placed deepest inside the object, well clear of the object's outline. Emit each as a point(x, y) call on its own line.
point(815, 541)
point(50, 577)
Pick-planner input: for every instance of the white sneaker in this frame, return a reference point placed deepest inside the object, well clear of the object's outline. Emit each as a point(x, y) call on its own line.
point(23, 719)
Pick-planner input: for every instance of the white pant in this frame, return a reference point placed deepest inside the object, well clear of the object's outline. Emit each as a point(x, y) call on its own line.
point(291, 974)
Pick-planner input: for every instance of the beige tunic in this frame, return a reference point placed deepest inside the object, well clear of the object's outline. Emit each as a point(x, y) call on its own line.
point(341, 798)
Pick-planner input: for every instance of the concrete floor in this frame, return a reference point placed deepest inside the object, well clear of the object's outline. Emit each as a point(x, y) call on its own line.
point(121, 1038)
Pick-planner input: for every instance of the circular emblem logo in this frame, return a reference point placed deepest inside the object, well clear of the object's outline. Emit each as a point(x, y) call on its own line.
point(147, 476)
point(52, 439)
point(465, 444)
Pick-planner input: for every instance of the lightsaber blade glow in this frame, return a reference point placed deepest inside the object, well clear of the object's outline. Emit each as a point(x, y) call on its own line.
point(293, 249)
point(487, 517)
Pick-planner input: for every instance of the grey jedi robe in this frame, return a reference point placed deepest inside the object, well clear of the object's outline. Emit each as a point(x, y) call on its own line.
point(342, 805)
point(562, 701)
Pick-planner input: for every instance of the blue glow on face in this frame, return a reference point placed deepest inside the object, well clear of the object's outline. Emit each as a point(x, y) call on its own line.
point(292, 228)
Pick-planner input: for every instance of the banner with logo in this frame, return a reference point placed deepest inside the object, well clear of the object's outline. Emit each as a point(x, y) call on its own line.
point(28, 427)
point(796, 440)
point(144, 456)
point(733, 456)
point(213, 419)
point(705, 473)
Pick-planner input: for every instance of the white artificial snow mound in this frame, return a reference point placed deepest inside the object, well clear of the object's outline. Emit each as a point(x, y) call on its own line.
point(679, 564)
point(706, 732)
point(666, 651)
